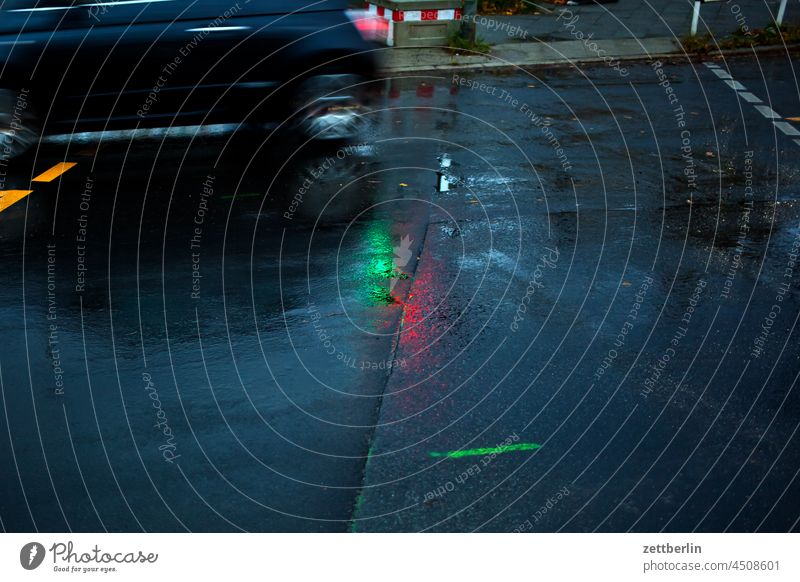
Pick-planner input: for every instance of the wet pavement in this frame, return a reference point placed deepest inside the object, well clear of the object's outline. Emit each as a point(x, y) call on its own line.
point(561, 300)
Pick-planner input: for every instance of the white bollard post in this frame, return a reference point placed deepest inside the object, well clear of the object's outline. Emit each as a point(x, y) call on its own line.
point(781, 12)
point(695, 18)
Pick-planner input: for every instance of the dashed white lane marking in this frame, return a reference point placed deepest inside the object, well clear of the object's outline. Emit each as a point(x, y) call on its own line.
point(735, 85)
point(767, 112)
point(786, 128)
point(749, 97)
point(711, 65)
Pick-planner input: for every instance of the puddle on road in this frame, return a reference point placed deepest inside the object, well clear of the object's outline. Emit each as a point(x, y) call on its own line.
point(445, 179)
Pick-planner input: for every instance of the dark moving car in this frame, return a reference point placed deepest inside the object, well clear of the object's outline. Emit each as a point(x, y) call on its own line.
point(70, 65)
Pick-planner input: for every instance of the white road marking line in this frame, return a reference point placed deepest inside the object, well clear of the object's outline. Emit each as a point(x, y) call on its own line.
point(767, 112)
point(786, 128)
point(749, 97)
point(711, 65)
point(217, 28)
point(735, 85)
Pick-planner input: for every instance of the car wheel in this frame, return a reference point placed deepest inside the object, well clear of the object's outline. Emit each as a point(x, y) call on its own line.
point(330, 107)
point(19, 124)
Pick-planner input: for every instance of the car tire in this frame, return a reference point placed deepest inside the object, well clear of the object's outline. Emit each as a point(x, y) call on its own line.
point(329, 107)
point(20, 129)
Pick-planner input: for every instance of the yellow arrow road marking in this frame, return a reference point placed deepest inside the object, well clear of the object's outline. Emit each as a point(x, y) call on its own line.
point(55, 172)
point(11, 197)
point(792, 118)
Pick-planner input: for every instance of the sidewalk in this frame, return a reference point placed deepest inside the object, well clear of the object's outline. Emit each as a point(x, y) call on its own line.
point(627, 29)
point(403, 60)
point(631, 19)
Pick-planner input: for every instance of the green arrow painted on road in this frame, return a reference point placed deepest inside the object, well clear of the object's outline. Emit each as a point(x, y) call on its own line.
point(488, 451)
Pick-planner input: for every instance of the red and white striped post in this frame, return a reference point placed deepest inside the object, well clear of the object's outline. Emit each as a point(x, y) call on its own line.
point(417, 22)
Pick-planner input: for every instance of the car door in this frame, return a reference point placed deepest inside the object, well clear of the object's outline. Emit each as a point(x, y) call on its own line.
point(146, 62)
point(159, 61)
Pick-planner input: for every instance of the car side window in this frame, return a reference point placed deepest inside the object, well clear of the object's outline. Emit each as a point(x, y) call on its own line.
point(84, 13)
point(52, 7)
point(34, 5)
point(98, 5)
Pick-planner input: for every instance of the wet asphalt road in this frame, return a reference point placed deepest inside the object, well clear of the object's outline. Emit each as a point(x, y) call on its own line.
point(229, 332)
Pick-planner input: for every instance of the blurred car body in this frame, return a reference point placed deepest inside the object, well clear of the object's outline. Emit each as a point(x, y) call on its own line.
point(94, 65)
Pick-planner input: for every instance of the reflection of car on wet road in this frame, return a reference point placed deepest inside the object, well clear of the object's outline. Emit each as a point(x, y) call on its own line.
point(95, 65)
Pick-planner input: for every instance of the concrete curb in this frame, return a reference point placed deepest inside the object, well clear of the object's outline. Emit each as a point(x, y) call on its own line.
point(432, 59)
